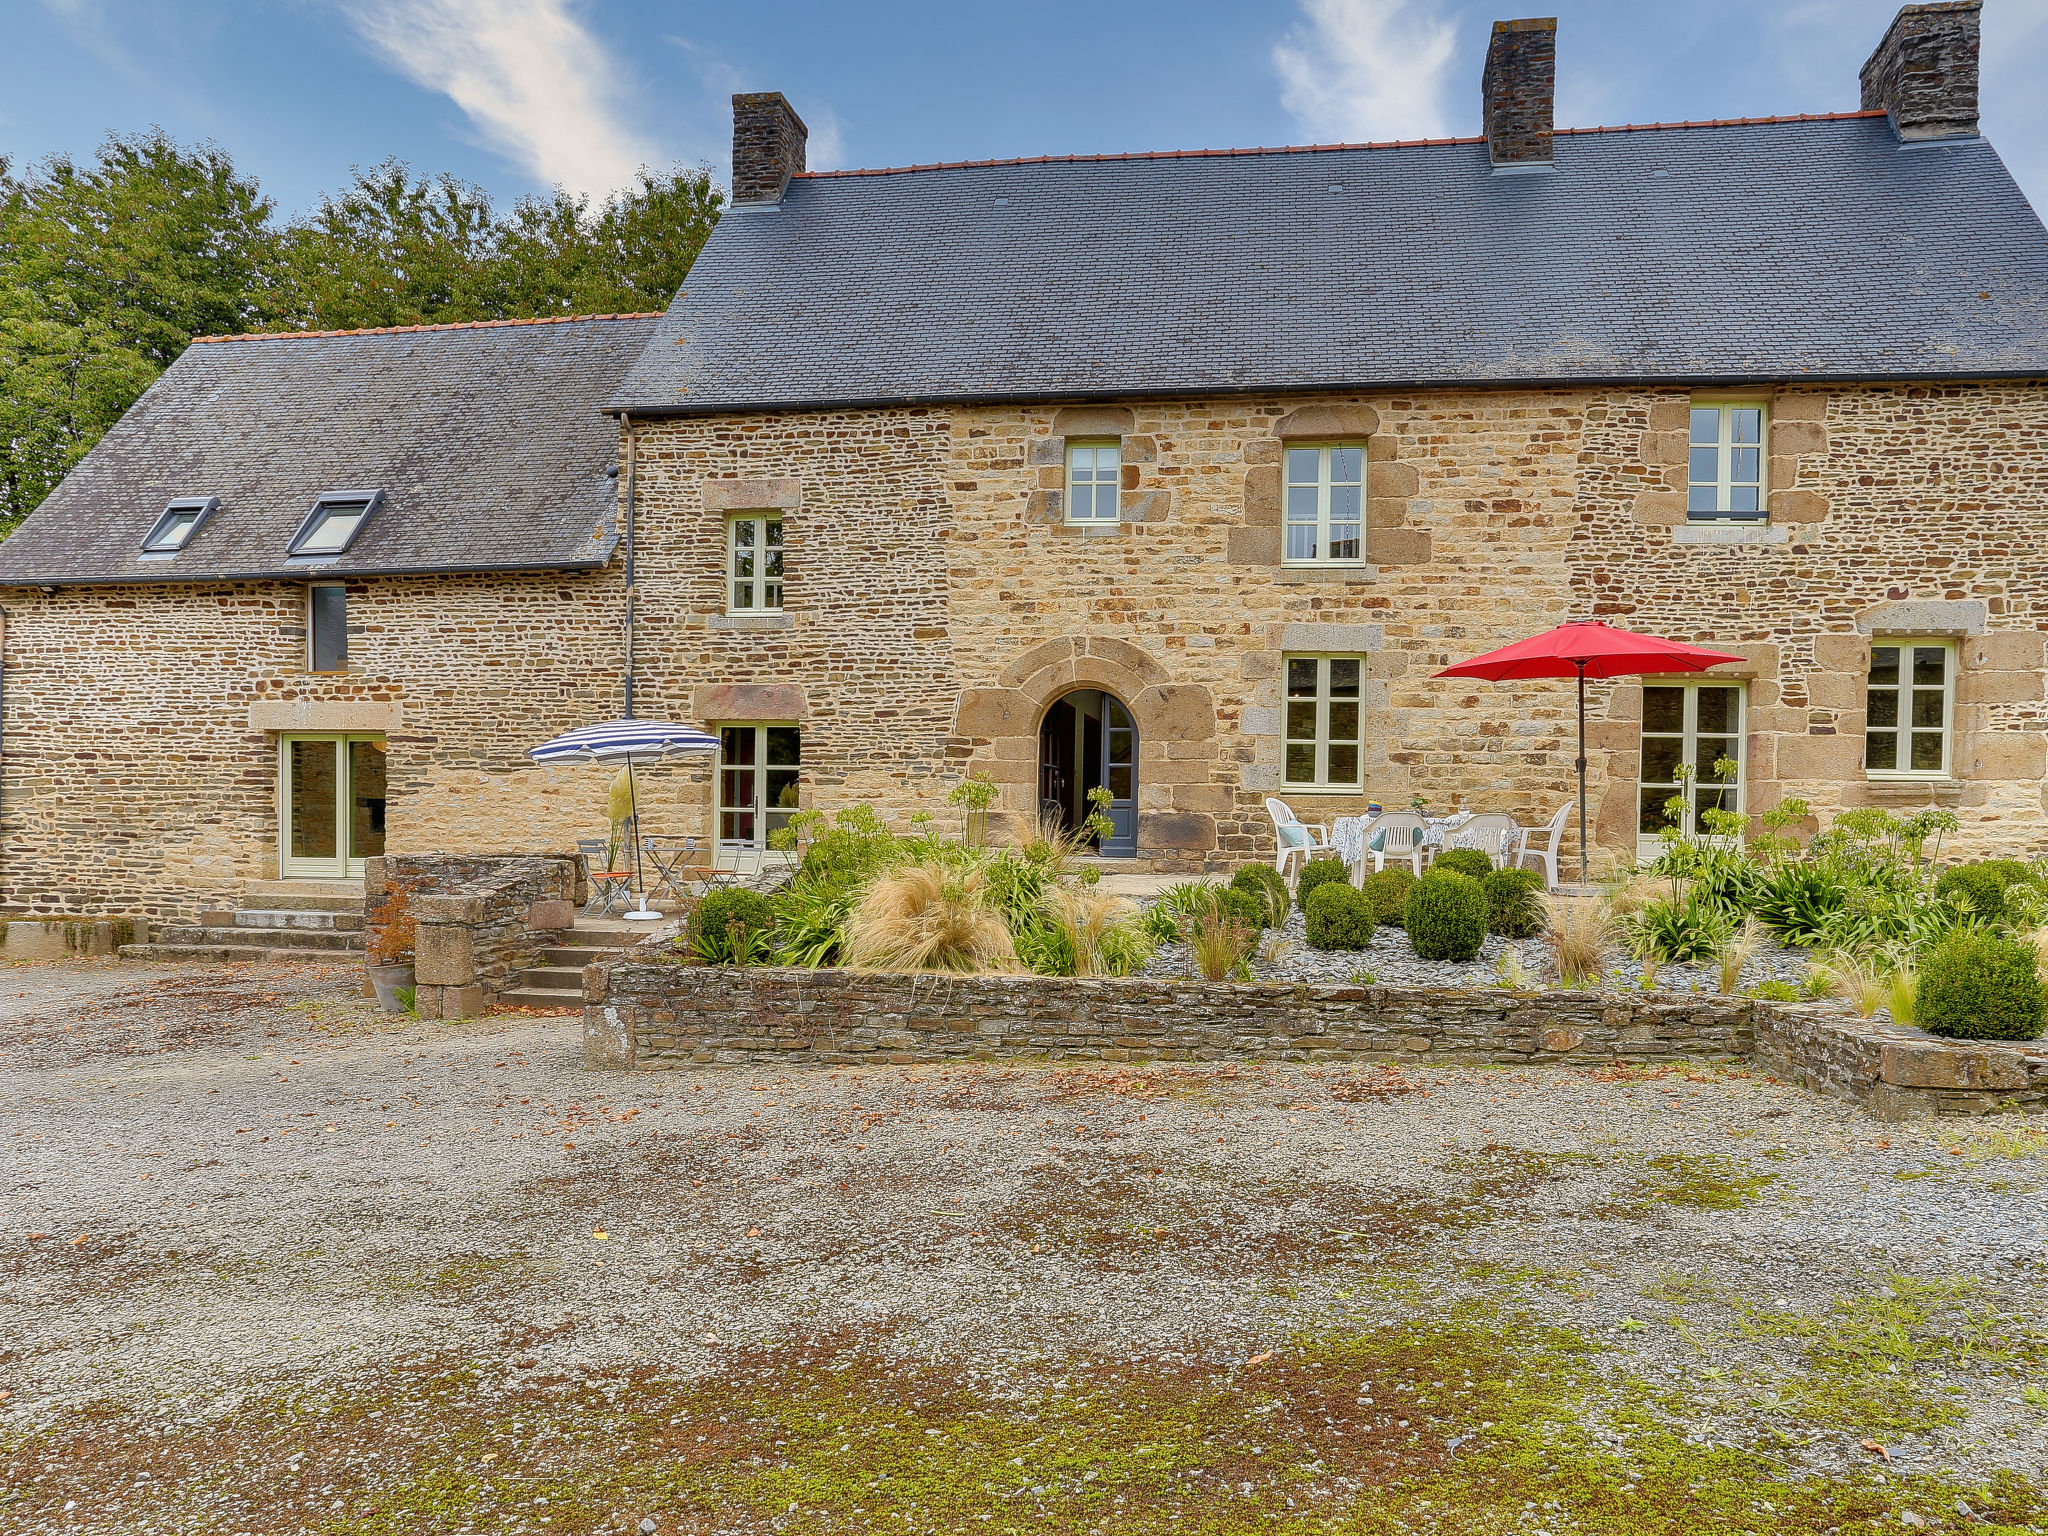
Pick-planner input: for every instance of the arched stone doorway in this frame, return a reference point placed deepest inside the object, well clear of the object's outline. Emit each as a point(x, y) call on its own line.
point(1089, 740)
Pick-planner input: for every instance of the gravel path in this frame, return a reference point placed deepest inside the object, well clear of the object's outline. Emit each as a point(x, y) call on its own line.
point(274, 1263)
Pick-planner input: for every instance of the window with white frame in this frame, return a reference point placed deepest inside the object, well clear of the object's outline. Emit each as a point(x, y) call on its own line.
point(1909, 708)
point(1325, 504)
point(754, 562)
point(1094, 471)
point(1324, 742)
point(1725, 457)
point(1692, 751)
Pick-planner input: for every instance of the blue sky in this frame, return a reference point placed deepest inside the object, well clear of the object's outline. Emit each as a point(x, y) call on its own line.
point(519, 94)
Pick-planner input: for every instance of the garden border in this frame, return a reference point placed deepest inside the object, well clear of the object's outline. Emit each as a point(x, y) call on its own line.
point(651, 1016)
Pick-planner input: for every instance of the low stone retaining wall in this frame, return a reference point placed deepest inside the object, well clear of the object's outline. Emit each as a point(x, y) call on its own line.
point(1898, 1073)
point(663, 1016)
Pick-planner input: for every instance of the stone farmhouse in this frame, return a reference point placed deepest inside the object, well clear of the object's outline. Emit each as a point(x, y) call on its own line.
point(1177, 474)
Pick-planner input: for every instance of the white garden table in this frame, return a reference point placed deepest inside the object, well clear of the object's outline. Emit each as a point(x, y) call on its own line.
point(1351, 836)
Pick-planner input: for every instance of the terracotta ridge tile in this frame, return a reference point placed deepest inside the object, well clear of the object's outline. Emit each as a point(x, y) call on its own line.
point(402, 330)
point(1314, 149)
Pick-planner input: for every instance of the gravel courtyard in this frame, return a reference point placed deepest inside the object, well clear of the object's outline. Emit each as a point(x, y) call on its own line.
point(275, 1263)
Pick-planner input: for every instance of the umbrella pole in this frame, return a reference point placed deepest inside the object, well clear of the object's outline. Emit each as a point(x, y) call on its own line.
point(1582, 771)
point(633, 795)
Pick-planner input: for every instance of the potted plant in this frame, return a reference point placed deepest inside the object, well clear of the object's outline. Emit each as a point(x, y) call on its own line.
point(391, 950)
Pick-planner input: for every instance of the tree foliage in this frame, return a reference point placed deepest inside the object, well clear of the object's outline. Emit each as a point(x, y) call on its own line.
point(109, 268)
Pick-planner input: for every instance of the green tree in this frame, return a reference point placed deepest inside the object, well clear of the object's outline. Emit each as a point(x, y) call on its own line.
point(391, 250)
point(107, 270)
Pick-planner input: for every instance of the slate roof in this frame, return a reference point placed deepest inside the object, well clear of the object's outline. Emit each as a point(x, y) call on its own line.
point(487, 440)
point(1764, 249)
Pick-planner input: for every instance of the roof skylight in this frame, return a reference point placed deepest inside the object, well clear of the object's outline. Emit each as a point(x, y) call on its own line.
point(334, 522)
point(180, 521)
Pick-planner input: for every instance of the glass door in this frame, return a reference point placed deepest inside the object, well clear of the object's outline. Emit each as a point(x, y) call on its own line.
point(331, 800)
point(759, 773)
point(1693, 750)
point(1120, 774)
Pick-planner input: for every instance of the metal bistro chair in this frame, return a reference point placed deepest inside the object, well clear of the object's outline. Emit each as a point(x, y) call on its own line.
point(610, 889)
point(1494, 834)
point(674, 862)
point(1396, 835)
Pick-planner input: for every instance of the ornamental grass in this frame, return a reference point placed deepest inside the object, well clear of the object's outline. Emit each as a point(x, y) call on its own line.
point(929, 918)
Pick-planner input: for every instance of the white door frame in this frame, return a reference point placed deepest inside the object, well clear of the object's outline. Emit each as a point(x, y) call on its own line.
point(340, 866)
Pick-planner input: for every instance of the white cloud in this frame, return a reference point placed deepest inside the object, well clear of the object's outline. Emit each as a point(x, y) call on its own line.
point(1367, 69)
point(532, 80)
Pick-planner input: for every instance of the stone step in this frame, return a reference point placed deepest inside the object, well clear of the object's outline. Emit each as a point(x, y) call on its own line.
point(284, 917)
point(338, 942)
point(576, 955)
point(543, 997)
point(304, 895)
point(553, 978)
point(223, 953)
point(605, 932)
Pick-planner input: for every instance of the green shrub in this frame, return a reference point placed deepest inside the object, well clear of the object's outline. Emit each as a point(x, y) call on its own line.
point(1976, 986)
point(810, 921)
point(1683, 932)
point(1266, 882)
point(1775, 991)
point(1339, 917)
point(1514, 904)
point(1318, 872)
point(1797, 901)
point(1247, 909)
point(1162, 924)
point(1045, 947)
point(1446, 916)
point(1386, 892)
point(1464, 861)
point(731, 928)
point(1983, 885)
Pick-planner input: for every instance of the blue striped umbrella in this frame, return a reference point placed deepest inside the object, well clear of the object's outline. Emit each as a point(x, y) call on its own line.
point(623, 741)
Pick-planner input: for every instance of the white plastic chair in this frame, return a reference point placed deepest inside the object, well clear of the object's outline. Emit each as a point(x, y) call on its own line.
point(1494, 834)
point(1400, 835)
point(1298, 841)
point(1550, 836)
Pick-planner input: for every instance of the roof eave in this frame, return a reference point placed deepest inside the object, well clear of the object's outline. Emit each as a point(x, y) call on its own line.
point(1217, 391)
point(303, 574)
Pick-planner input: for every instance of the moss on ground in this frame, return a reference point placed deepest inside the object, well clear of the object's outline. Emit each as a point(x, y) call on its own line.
point(1465, 1418)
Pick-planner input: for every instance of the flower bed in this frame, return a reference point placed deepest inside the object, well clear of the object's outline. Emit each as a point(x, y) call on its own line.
point(1858, 920)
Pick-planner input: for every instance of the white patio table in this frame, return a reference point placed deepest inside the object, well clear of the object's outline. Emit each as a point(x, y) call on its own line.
point(1351, 836)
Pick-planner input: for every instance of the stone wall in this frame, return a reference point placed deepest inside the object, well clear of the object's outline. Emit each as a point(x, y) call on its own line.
point(937, 604)
point(653, 1016)
point(481, 921)
point(1900, 1074)
point(665, 1015)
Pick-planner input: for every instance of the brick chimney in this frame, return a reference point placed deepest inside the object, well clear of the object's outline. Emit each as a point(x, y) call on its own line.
point(1517, 91)
point(1924, 73)
point(767, 146)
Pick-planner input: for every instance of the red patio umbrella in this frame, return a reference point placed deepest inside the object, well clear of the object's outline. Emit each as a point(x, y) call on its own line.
point(1587, 648)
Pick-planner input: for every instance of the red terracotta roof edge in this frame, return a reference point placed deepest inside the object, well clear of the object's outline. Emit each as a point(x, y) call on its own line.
point(1311, 149)
point(400, 330)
